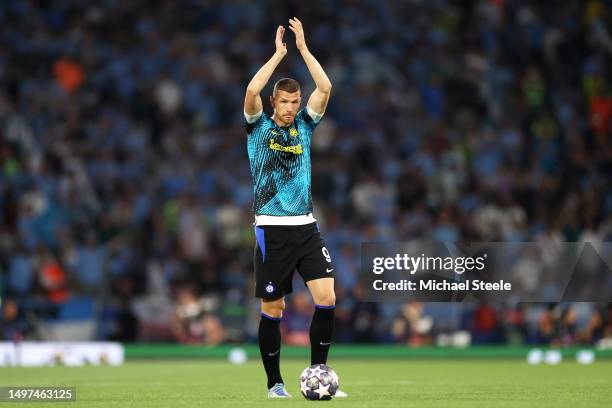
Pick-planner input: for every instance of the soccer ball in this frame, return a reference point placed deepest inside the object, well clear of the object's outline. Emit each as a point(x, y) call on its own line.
point(318, 382)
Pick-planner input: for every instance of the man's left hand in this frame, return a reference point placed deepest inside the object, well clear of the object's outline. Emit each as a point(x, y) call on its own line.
point(295, 25)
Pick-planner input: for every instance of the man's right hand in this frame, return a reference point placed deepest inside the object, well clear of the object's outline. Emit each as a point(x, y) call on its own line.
point(281, 47)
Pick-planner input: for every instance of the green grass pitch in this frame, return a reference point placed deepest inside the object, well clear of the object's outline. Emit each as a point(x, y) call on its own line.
point(370, 383)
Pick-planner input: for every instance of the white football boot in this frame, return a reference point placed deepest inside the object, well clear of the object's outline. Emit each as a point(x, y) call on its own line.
point(278, 391)
point(340, 394)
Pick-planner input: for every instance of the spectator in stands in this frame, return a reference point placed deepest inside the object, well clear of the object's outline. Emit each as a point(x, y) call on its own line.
point(13, 325)
point(410, 327)
point(485, 325)
point(191, 323)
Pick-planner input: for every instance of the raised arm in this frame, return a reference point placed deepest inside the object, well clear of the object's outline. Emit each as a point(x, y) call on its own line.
point(319, 98)
point(252, 99)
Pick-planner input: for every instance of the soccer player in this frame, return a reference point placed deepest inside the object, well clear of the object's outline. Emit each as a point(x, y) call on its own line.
point(287, 234)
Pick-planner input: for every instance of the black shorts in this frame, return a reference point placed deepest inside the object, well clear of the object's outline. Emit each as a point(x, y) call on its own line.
point(280, 250)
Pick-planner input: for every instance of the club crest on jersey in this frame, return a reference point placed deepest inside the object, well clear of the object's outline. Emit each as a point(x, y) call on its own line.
point(269, 288)
point(293, 132)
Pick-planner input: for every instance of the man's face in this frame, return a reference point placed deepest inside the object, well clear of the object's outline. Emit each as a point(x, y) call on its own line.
point(286, 105)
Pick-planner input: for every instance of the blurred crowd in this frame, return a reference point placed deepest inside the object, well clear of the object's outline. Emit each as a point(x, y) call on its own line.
point(125, 191)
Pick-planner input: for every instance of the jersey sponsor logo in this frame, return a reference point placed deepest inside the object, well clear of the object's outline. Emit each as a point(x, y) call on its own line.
point(297, 149)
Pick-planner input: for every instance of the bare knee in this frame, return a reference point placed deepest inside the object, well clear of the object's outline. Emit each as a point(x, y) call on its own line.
point(273, 308)
point(322, 291)
point(326, 299)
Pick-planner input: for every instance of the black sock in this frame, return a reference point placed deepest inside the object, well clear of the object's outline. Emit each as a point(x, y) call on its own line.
point(269, 347)
point(321, 331)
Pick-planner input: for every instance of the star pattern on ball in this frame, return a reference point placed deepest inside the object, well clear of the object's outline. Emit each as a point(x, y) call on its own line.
point(323, 391)
point(304, 388)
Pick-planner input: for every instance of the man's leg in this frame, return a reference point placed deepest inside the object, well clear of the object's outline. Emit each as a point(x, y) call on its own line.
point(322, 326)
point(270, 338)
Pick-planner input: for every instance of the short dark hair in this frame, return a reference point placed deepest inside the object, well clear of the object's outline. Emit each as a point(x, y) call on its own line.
point(287, 85)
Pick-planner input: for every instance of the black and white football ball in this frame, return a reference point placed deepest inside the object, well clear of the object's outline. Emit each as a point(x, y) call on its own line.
point(318, 382)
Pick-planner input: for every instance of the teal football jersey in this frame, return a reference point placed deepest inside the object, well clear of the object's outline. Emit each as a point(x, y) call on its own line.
point(280, 165)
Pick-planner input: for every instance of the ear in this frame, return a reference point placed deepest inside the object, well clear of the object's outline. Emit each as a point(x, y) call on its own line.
point(271, 101)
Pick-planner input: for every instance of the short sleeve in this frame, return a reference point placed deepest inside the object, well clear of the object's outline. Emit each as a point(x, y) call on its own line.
point(252, 121)
point(316, 117)
point(310, 117)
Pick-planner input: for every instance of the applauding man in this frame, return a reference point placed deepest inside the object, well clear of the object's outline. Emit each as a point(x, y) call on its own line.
point(287, 234)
